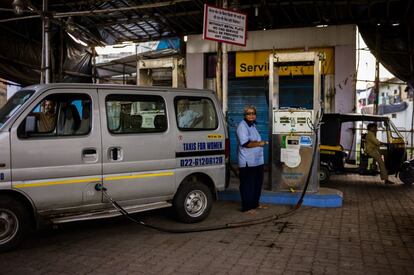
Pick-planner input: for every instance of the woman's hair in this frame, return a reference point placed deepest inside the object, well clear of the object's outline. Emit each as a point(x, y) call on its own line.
point(249, 107)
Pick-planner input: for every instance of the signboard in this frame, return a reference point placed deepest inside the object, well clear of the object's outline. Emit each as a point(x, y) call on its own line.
point(254, 64)
point(224, 25)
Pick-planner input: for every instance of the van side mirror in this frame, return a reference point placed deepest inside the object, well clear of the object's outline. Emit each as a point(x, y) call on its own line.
point(30, 124)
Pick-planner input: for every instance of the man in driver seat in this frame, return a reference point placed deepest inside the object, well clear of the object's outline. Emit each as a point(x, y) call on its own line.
point(372, 148)
point(47, 118)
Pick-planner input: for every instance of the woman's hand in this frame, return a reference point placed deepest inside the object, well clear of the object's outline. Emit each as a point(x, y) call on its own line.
point(252, 144)
point(263, 143)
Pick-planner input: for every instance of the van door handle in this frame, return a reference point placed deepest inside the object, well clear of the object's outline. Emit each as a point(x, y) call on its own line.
point(115, 153)
point(89, 155)
point(89, 151)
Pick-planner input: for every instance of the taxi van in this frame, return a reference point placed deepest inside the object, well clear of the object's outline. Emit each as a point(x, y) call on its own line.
point(149, 147)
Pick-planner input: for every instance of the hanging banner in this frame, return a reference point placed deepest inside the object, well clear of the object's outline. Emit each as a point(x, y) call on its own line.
point(224, 25)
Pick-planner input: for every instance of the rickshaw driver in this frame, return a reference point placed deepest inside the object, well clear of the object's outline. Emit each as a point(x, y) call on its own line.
point(372, 148)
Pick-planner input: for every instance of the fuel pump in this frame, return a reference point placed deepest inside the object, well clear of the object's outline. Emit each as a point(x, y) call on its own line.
point(292, 135)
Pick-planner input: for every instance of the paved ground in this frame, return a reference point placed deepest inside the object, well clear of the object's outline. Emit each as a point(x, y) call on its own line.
point(373, 233)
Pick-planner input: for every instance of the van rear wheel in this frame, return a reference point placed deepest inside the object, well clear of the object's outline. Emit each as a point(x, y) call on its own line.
point(14, 223)
point(193, 202)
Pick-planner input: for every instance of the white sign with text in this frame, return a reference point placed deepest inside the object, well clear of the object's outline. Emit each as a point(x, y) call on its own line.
point(224, 25)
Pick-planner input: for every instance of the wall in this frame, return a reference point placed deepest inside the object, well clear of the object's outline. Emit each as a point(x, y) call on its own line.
point(282, 39)
point(344, 78)
point(345, 86)
point(342, 38)
point(195, 70)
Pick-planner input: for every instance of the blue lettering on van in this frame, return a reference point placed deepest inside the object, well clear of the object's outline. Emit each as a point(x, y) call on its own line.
point(201, 161)
point(214, 145)
point(1, 176)
point(201, 146)
point(189, 146)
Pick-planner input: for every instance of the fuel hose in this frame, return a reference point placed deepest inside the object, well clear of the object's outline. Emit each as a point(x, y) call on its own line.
point(273, 217)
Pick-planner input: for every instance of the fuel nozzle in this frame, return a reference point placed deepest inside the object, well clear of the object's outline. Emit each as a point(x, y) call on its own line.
point(100, 187)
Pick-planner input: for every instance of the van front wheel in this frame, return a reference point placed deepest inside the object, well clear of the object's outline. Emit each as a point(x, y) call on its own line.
point(193, 202)
point(14, 223)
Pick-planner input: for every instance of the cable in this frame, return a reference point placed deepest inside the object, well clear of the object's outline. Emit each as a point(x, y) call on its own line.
point(198, 229)
point(315, 128)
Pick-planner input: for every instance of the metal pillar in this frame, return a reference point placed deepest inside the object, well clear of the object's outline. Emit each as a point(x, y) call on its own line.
point(219, 83)
point(377, 72)
point(94, 72)
point(376, 88)
point(225, 79)
point(45, 63)
point(225, 72)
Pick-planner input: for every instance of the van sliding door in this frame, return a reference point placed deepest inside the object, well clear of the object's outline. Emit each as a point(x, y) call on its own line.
point(138, 159)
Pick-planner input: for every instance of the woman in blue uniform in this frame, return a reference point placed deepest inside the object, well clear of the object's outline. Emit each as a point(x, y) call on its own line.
point(251, 160)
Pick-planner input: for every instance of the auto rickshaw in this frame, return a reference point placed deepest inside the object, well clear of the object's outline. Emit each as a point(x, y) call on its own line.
point(341, 133)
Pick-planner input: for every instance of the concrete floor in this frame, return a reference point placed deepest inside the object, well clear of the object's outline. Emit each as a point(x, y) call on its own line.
point(373, 233)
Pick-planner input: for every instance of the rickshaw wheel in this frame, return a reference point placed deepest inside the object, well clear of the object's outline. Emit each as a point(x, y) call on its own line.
point(324, 174)
point(406, 173)
point(407, 177)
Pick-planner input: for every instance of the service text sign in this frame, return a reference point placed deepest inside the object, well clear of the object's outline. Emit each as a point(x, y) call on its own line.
point(224, 25)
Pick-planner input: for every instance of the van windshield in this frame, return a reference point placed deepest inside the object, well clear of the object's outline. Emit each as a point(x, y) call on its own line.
point(14, 104)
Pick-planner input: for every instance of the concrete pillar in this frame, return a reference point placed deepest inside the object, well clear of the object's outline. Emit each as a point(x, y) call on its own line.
point(329, 93)
point(175, 73)
point(143, 74)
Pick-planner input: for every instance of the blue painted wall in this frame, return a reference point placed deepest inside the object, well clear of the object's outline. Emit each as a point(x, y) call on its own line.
point(241, 93)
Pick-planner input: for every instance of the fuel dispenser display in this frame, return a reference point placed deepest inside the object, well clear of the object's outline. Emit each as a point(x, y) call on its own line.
point(292, 134)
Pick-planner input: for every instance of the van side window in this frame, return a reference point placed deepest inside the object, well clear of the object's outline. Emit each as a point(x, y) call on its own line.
point(135, 114)
point(58, 115)
point(195, 113)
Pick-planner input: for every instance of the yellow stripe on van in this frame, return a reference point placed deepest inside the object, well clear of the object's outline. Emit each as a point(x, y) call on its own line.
point(48, 183)
point(163, 174)
point(59, 182)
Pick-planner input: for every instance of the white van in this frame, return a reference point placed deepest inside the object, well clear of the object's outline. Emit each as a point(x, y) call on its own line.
point(149, 147)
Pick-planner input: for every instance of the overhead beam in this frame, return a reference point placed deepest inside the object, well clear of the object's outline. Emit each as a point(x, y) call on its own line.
point(103, 11)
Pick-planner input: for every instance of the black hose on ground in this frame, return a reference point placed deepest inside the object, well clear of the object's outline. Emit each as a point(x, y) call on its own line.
point(273, 217)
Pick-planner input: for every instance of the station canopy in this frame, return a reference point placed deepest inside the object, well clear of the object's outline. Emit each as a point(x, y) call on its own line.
point(386, 26)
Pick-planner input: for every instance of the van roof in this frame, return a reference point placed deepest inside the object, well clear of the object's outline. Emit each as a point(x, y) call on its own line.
point(42, 87)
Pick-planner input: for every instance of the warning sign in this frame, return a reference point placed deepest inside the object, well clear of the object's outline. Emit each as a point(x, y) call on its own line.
point(224, 25)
